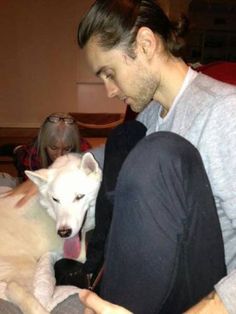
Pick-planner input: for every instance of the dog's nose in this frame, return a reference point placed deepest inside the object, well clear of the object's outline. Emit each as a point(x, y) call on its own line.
point(64, 232)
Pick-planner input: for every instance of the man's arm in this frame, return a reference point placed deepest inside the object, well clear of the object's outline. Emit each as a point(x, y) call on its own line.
point(95, 305)
point(226, 289)
point(221, 300)
point(210, 304)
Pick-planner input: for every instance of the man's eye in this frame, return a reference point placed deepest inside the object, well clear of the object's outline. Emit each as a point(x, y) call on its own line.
point(79, 197)
point(109, 76)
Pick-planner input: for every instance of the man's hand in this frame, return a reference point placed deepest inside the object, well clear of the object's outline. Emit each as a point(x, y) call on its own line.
point(27, 189)
point(95, 305)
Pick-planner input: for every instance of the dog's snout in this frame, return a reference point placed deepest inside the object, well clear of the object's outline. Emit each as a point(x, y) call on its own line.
point(64, 232)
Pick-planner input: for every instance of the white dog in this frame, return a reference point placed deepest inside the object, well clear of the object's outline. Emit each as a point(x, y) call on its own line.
point(64, 205)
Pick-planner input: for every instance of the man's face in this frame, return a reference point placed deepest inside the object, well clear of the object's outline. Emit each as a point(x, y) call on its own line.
point(126, 78)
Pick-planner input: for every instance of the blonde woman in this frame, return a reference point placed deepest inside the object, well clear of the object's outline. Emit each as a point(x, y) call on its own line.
point(58, 135)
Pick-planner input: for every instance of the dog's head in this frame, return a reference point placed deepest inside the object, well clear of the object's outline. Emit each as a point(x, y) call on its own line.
point(68, 189)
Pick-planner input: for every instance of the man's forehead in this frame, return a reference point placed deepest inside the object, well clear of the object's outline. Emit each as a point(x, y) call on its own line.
point(93, 53)
point(99, 58)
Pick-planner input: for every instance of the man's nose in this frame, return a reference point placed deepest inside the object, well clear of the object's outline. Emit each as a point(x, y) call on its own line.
point(112, 89)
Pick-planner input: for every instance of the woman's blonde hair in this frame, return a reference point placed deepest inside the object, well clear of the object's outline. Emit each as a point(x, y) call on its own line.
point(57, 126)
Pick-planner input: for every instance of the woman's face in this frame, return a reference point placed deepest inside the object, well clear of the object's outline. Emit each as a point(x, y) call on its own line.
point(57, 150)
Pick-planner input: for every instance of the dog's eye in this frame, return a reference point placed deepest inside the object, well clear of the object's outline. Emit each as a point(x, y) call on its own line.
point(55, 199)
point(78, 197)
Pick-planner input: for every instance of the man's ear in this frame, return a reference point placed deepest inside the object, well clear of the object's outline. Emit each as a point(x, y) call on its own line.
point(39, 177)
point(147, 42)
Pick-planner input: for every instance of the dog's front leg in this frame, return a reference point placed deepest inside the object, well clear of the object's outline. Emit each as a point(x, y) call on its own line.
point(24, 299)
point(82, 255)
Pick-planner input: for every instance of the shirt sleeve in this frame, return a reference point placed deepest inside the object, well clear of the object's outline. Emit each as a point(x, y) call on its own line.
point(98, 154)
point(84, 145)
point(26, 158)
point(226, 289)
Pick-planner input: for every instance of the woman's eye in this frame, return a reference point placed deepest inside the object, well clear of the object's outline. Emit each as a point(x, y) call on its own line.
point(68, 149)
point(53, 147)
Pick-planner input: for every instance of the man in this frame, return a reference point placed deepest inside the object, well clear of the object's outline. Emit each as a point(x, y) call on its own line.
point(164, 251)
point(160, 243)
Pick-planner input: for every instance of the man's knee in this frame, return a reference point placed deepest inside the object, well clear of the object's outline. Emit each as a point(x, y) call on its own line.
point(125, 136)
point(162, 147)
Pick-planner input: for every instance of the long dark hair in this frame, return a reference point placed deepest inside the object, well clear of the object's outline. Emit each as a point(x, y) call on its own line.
point(116, 23)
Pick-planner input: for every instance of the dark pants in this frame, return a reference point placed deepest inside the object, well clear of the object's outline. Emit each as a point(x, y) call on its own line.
point(119, 143)
point(165, 250)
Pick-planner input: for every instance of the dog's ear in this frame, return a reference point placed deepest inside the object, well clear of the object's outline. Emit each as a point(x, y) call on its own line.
point(39, 177)
point(89, 163)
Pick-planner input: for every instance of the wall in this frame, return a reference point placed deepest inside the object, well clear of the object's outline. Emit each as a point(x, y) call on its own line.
point(212, 36)
point(38, 52)
point(174, 8)
point(42, 68)
point(39, 62)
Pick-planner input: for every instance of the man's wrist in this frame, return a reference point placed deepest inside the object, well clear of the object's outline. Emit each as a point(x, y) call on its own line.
point(210, 304)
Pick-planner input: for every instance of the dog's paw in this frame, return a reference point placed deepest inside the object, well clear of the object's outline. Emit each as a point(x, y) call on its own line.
point(15, 292)
point(24, 299)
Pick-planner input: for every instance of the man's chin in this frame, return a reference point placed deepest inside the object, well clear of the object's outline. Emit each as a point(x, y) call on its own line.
point(134, 109)
point(138, 108)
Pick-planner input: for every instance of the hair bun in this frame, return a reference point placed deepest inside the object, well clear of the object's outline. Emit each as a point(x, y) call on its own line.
point(179, 30)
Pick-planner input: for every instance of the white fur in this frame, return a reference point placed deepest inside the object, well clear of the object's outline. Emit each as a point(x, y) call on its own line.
point(68, 189)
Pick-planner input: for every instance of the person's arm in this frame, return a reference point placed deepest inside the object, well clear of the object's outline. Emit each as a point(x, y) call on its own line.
point(226, 289)
point(21, 159)
point(95, 305)
point(220, 301)
point(98, 153)
point(210, 304)
point(27, 189)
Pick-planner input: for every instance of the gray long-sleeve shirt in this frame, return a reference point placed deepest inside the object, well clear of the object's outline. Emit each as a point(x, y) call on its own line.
point(205, 114)
point(226, 289)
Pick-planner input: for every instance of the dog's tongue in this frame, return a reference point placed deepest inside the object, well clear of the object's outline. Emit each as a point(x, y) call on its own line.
point(72, 248)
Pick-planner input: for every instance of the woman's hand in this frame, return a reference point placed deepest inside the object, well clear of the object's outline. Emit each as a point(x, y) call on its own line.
point(27, 189)
point(95, 305)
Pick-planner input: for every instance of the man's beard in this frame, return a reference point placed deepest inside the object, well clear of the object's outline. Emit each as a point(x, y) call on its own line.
point(146, 88)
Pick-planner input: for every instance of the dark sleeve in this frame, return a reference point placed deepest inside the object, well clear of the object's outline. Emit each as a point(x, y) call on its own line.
point(119, 143)
point(25, 158)
point(84, 145)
